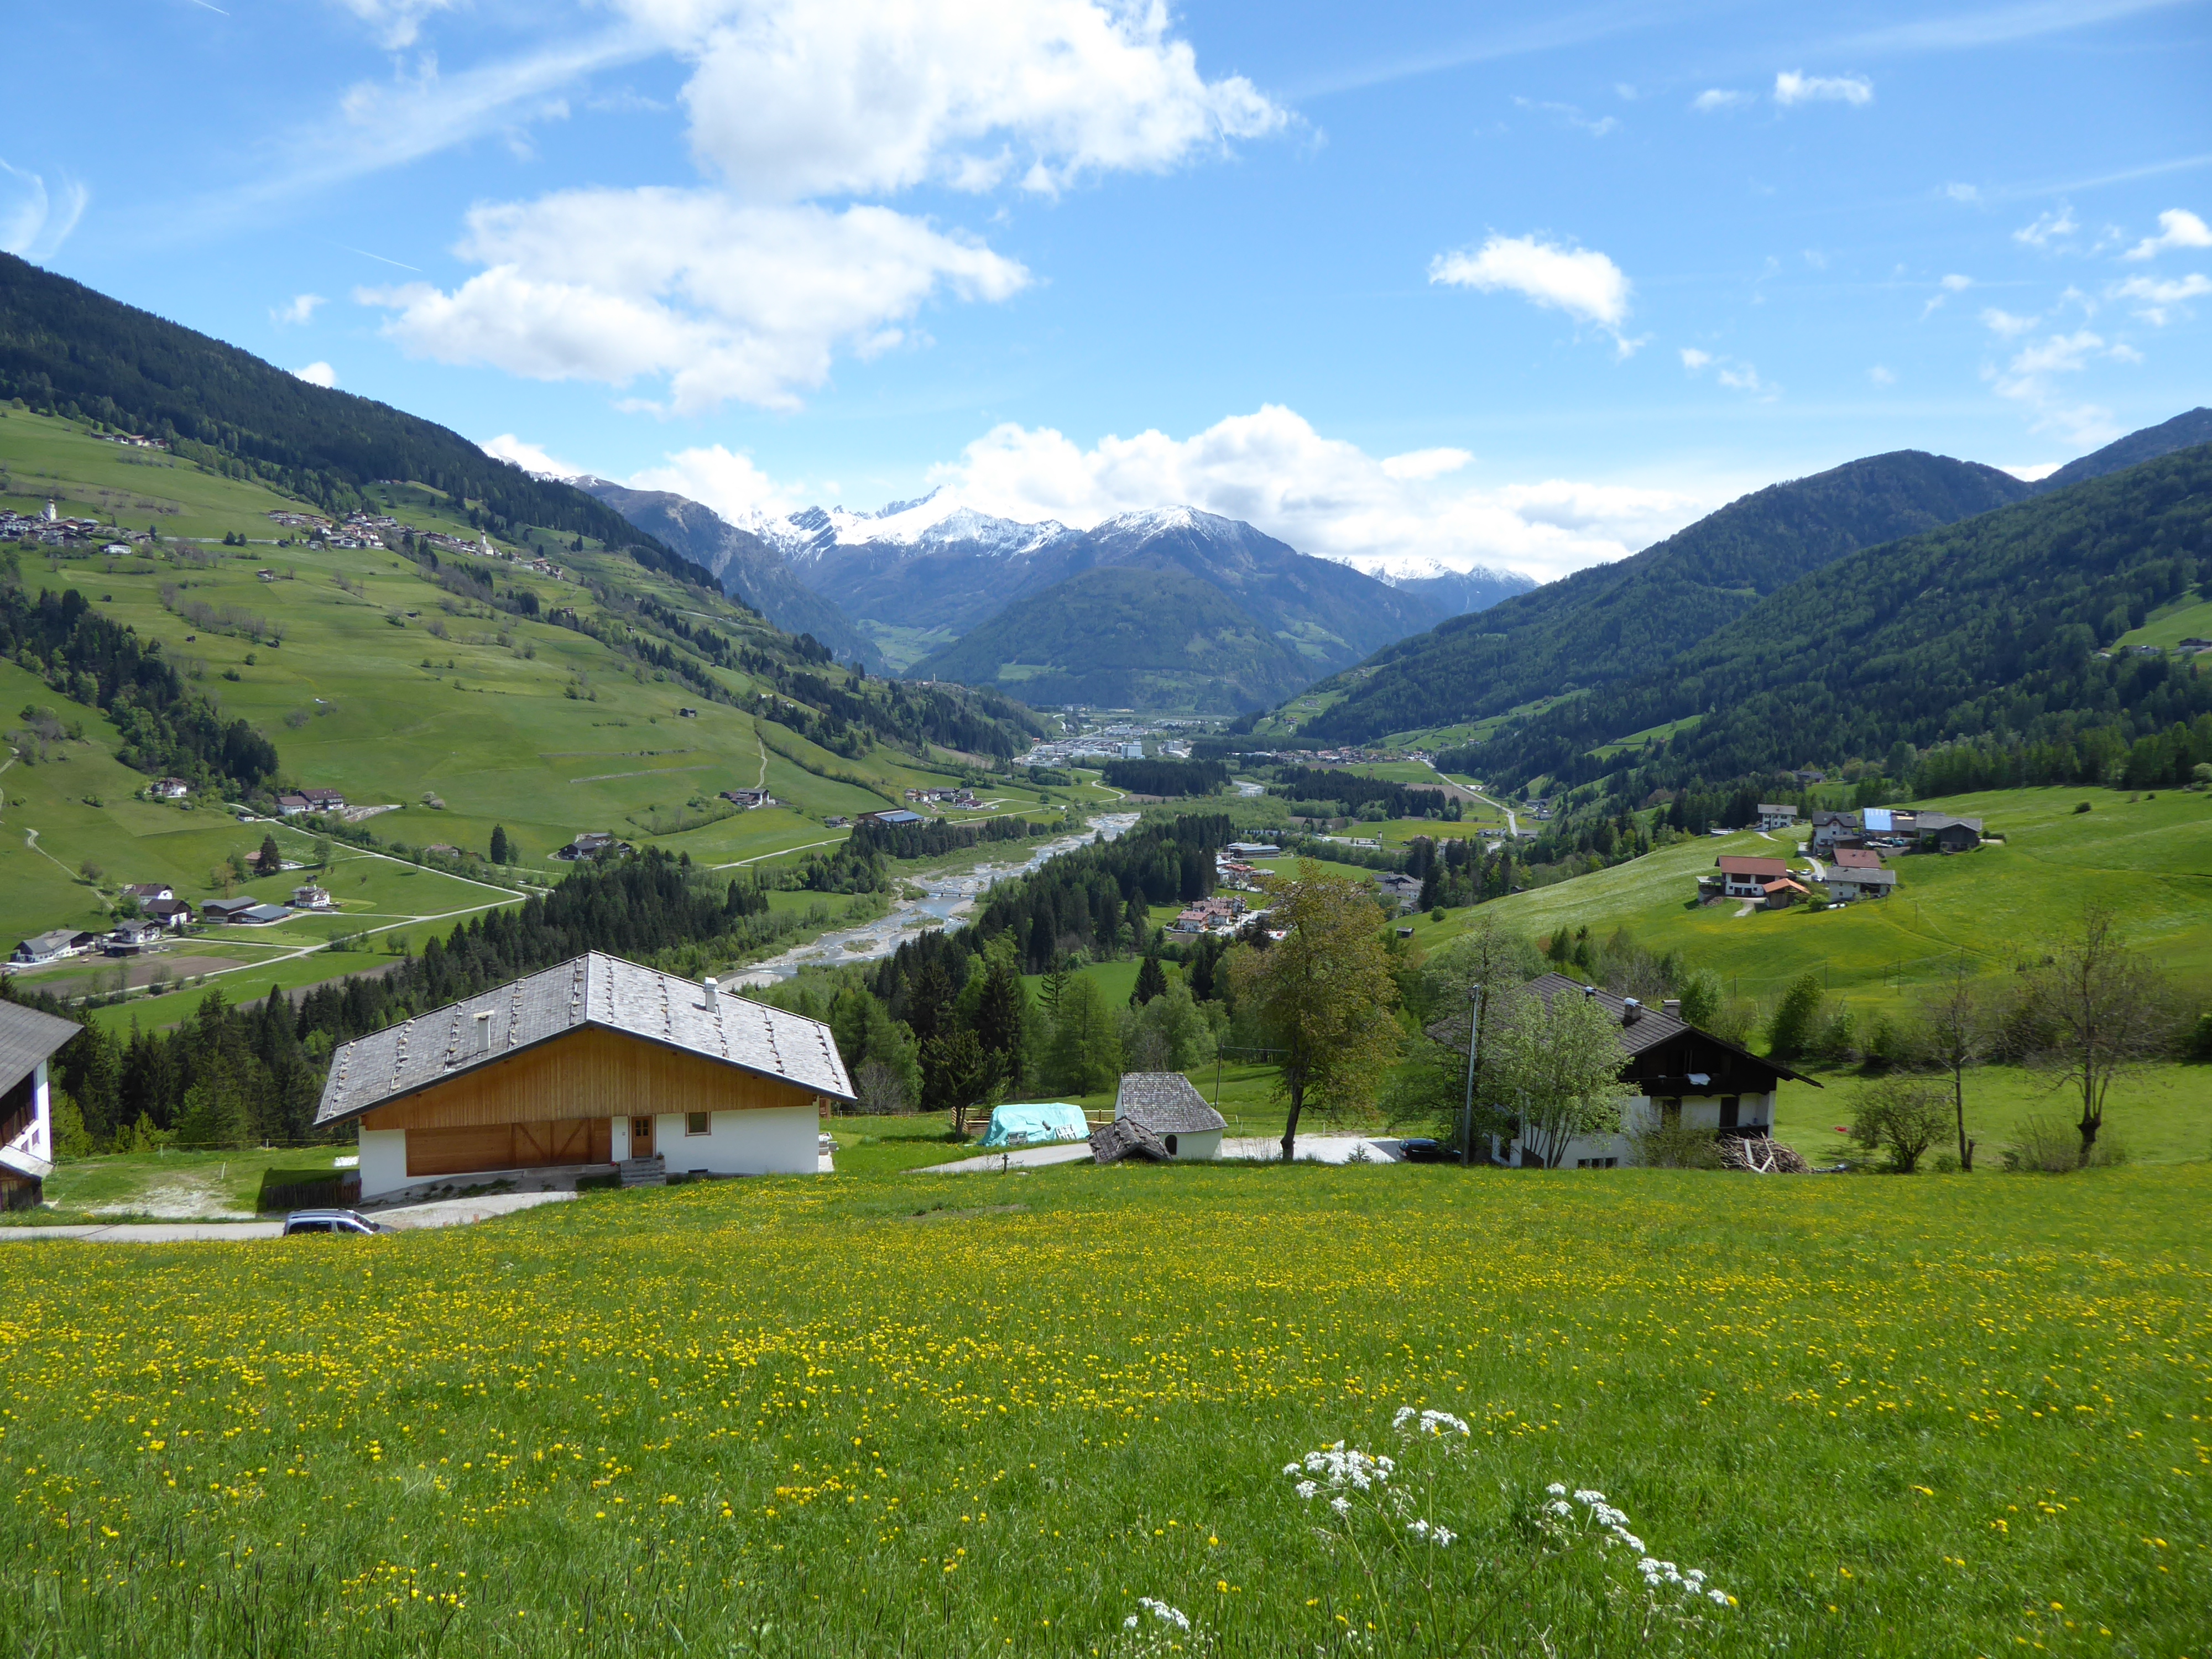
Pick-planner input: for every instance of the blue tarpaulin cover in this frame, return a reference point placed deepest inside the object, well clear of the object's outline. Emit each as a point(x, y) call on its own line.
point(1033, 1123)
point(1878, 820)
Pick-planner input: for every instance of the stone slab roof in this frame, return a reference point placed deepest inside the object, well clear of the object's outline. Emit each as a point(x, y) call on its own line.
point(1166, 1104)
point(594, 989)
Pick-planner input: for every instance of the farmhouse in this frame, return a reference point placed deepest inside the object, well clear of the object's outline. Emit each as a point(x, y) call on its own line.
point(1747, 877)
point(1937, 832)
point(312, 897)
point(147, 891)
point(595, 1062)
point(1407, 890)
point(897, 814)
point(1776, 818)
point(591, 844)
point(54, 946)
point(1858, 857)
point(170, 912)
point(1165, 1106)
point(1829, 829)
point(27, 1040)
point(171, 789)
point(1847, 883)
point(130, 938)
point(1684, 1079)
point(749, 799)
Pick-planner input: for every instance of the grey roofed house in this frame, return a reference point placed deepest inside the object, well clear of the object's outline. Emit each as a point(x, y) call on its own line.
point(1166, 1104)
point(1862, 881)
point(223, 909)
point(1124, 1138)
point(592, 989)
point(50, 946)
point(27, 1037)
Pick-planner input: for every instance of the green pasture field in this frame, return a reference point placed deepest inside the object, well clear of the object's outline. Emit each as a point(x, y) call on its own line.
point(1649, 734)
point(169, 1185)
point(967, 1415)
point(2189, 617)
point(2150, 859)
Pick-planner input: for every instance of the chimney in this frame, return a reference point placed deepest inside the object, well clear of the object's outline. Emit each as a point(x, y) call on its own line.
point(1590, 991)
point(483, 1032)
point(709, 986)
point(1631, 1011)
point(1672, 1005)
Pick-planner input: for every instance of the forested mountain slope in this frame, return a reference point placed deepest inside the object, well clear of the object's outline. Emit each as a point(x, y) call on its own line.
point(1126, 638)
point(2182, 432)
point(70, 351)
point(1992, 629)
point(1617, 621)
point(749, 568)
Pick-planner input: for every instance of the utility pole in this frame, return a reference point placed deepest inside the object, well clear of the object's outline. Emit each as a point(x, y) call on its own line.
point(1467, 1112)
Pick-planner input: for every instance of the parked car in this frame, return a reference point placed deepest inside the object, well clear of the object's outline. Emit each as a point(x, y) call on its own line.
point(328, 1221)
point(1421, 1150)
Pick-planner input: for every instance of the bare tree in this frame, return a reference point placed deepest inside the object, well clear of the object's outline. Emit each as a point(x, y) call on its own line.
point(2104, 1004)
point(1956, 1034)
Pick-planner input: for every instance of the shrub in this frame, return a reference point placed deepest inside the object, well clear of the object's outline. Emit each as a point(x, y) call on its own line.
point(2050, 1146)
point(2081, 806)
point(1903, 1115)
point(1797, 1024)
point(1672, 1146)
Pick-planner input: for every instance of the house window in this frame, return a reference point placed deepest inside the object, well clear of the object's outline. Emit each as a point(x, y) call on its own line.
point(1729, 1106)
point(1670, 1113)
point(696, 1123)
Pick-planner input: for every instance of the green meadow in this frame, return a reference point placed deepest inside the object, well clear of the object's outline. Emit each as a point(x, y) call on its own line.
point(1068, 1414)
point(2150, 859)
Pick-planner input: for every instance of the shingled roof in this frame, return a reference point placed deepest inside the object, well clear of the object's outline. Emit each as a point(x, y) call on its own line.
point(1166, 1104)
point(593, 989)
point(27, 1037)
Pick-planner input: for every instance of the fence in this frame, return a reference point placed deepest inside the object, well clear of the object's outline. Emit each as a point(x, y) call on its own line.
point(308, 1190)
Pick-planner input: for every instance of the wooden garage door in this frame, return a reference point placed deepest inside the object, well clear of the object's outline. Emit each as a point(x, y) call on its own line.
point(508, 1146)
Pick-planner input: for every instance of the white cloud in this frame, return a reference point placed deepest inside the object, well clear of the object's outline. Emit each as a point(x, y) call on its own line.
point(1571, 115)
point(318, 375)
point(1581, 281)
point(1881, 375)
point(2049, 227)
point(1424, 464)
point(2030, 378)
point(724, 301)
point(1322, 495)
point(792, 99)
point(2156, 299)
point(2005, 325)
point(395, 23)
point(2177, 228)
point(33, 222)
point(1736, 375)
point(726, 480)
point(1791, 87)
point(528, 456)
point(1719, 98)
point(1962, 192)
point(300, 310)
point(1951, 284)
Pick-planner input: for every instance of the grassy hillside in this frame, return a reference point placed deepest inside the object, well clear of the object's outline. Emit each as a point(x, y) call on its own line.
point(2150, 859)
point(1618, 621)
point(67, 349)
point(455, 714)
point(1126, 637)
point(990, 1413)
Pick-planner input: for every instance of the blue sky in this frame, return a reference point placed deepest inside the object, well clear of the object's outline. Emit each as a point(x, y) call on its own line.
point(1398, 284)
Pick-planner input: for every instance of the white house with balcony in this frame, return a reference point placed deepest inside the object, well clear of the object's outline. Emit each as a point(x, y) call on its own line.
point(28, 1039)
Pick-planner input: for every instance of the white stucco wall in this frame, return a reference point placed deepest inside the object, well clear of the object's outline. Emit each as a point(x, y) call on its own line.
point(1199, 1144)
point(32, 1150)
point(1699, 1112)
point(383, 1161)
point(779, 1140)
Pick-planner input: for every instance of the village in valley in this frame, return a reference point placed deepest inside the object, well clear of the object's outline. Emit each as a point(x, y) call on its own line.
point(1088, 830)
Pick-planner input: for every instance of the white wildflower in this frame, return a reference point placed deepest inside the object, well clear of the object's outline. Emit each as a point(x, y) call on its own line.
point(1342, 1505)
point(1556, 1489)
point(1718, 1598)
point(1307, 1489)
point(1161, 1611)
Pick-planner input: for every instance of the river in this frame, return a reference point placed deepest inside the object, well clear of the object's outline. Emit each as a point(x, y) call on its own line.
point(947, 898)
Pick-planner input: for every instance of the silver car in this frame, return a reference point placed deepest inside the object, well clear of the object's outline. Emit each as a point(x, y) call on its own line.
point(328, 1221)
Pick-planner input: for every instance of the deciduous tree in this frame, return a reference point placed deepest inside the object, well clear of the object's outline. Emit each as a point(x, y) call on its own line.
point(1324, 994)
point(1904, 1115)
point(1557, 1064)
point(2106, 1007)
point(1955, 1033)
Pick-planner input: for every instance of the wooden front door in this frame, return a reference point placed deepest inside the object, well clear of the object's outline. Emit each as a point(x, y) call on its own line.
point(640, 1137)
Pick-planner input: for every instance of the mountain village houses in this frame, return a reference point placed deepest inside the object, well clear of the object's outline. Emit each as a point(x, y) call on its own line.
point(597, 1063)
point(1846, 852)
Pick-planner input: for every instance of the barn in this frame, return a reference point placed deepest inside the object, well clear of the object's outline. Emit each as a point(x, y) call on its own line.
point(595, 1063)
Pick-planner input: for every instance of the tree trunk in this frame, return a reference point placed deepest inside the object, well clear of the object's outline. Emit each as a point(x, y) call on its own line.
point(2093, 1113)
point(1291, 1128)
point(1959, 1102)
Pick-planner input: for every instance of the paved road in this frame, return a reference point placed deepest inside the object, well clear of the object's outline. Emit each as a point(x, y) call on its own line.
point(1016, 1157)
point(1314, 1149)
point(403, 1218)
